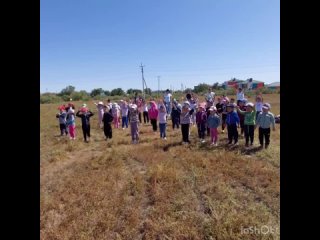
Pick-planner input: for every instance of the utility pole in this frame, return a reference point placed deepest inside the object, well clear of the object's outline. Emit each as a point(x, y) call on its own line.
point(158, 86)
point(143, 81)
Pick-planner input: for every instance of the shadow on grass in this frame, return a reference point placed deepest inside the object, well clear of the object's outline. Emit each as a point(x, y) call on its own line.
point(166, 147)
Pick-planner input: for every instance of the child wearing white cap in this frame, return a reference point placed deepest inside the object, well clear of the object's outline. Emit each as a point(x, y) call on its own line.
point(264, 121)
point(100, 112)
point(249, 122)
point(162, 121)
point(185, 120)
point(116, 114)
point(134, 123)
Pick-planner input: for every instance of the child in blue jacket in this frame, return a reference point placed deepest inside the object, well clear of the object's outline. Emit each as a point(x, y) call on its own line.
point(232, 122)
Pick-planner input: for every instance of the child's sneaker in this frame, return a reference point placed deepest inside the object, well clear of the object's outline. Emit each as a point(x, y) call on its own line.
point(222, 131)
point(203, 141)
point(236, 144)
point(165, 138)
point(216, 144)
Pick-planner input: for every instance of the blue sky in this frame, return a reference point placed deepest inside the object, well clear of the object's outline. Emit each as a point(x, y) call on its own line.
point(101, 43)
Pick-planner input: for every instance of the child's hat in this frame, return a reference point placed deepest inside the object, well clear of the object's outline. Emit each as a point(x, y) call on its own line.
point(100, 103)
point(212, 109)
point(83, 109)
point(266, 106)
point(186, 103)
point(133, 106)
point(250, 104)
point(84, 105)
point(61, 107)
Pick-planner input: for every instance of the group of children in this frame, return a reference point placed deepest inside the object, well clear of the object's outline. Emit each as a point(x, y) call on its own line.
point(207, 116)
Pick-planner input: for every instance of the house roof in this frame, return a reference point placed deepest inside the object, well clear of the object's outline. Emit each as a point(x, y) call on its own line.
point(244, 81)
point(274, 84)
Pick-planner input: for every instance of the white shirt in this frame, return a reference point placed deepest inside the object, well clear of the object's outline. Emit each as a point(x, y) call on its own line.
point(259, 106)
point(167, 97)
point(240, 95)
point(210, 96)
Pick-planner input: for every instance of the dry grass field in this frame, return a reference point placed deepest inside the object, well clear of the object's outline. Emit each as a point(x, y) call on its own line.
point(156, 189)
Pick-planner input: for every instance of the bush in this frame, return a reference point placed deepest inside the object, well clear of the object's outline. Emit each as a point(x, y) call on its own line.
point(49, 98)
point(82, 95)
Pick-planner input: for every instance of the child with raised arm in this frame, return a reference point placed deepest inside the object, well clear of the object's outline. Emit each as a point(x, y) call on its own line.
point(249, 122)
point(185, 120)
point(85, 115)
point(153, 115)
point(100, 109)
point(107, 120)
point(62, 120)
point(175, 114)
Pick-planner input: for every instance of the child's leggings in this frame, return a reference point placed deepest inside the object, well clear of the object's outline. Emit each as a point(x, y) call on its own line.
point(214, 135)
point(72, 131)
point(124, 121)
point(134, 131)
point(116, 122)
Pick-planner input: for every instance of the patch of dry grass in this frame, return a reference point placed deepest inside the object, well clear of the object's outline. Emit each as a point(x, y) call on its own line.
point(156, 189)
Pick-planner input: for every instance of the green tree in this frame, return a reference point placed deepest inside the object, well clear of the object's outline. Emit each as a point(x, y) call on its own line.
point(202, 87)
point(97, 92)
point(147, 91)
point(117, 92)
point(67, 91)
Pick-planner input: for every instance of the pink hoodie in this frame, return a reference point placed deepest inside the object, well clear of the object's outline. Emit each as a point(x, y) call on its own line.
point(153, 111)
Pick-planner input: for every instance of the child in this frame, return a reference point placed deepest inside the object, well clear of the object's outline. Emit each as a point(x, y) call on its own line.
point(213, 122)
point(145, 112)
point(175, 114)
point(242, 107)
point(232, 122)
point(163, 121)
point(249, 122)
point(124, 113)
point(259, 104)
point(134, 123)
point(153, 115)
point(107, 120)
point(116, 114)
point(140, 109)
point(100, 112)
point(62, 120)
point(201, 120)
point(240, 95)
point(264, 121)
point(224, 112)
point(185, 120)
point(71, 123)
point(85, 115)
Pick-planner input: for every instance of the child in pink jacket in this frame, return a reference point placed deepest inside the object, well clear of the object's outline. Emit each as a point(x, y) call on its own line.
point(153, 115)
